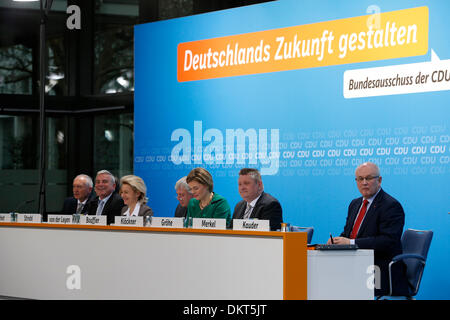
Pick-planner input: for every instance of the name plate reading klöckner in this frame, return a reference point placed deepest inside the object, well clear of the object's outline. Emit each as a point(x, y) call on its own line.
point(203, 223)
point(59, 219)
point(29, 218)
point(126, 221)
point(5, 217)
point(93, 220)
point(251, 225)
point(160, 222)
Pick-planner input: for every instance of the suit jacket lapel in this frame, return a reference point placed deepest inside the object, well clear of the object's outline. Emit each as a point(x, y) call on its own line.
point(370, 214)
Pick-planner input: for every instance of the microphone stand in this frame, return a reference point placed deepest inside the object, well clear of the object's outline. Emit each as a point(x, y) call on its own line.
point(45, 6)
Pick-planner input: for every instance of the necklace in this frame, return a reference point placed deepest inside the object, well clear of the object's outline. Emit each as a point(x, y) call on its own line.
point(202, 206)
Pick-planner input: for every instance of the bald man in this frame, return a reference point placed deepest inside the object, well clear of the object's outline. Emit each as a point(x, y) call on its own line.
point(375, 221)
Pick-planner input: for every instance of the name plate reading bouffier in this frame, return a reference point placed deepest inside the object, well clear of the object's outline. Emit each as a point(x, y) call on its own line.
point(161, 222)
point(251, 225)
point(59, 219)
point(126, 221)
point(93, 220)
point(5, 217)
point(29, 218)
point(201, 223)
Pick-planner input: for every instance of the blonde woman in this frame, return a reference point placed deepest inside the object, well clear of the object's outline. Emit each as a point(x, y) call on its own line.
point(133, 192)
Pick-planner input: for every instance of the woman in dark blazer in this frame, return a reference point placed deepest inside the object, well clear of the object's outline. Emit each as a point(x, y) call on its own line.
point(133, 192)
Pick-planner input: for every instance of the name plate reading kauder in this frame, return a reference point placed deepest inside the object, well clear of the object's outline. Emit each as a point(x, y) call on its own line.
point(203, 223)
point(126, 221)
point(93, 220)
point(5, 217)
point(29, 218)
point(251, 225)
point(59, 219)
point(160, 222)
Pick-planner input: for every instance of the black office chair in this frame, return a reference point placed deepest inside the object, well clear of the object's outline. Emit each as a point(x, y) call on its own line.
point(308, 230)
point(415, 245)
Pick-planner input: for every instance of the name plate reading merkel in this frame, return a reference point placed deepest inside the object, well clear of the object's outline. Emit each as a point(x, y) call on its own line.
point(29, 218)
point(59, 219)
point(5, 217)
point(203, 223)
point(249, 225)
point(126, 221)
point(93, 220)
point(161, 222)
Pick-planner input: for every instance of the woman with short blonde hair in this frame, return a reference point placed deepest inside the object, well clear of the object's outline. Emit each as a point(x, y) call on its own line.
point(133, 192)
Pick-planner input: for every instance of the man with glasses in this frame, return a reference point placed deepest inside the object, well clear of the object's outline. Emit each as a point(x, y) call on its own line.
point(375, 221)
point(184, 195)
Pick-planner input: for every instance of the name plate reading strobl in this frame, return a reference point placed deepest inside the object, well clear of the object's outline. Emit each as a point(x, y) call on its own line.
point(29, 218)
point(251, 225)
point(160, 222)
point(204, 223)
point(126, 221)
point(93, 220)
point(5, 217)
point(60, 219)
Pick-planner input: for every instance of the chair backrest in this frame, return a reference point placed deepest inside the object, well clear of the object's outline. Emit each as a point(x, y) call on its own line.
point(416, 242)
point(308, 230)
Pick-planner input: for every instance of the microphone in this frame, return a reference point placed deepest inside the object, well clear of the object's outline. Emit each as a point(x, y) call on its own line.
point(22, 204)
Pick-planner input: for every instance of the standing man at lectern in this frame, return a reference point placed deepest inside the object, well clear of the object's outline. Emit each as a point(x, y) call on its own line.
point(82, 193)
point(375, 221)
point(108, 202)
point(256, 203)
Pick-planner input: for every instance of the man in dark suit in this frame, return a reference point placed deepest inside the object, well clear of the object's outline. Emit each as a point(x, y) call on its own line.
point(184, 195)
point(82, 192)
point(375, 221)
point(108, 202)
point(256, 203)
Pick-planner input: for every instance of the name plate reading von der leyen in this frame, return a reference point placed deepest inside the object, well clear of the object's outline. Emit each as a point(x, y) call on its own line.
point(93, 220)
point(251, 225)
point(29, 218)
point(160, 222)
point(5, 217)
point(126, 221)
point(59, 219)
point(202, 223)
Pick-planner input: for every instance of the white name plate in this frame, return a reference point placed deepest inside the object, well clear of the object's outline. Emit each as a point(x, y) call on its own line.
point(93, 220)
point(205, 223)
point(59, 219)
point(29, 218)
point(251, 225)
point(126, 221)
point(161, 222)
point(5, 217)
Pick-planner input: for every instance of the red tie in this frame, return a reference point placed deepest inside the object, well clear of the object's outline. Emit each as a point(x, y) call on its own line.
point(359, 219)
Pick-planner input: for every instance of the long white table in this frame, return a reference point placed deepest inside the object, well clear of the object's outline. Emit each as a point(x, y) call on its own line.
point(42, 261)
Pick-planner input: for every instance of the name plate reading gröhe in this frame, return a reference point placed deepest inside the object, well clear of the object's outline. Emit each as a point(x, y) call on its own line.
point(93, 220)
point(251, 225)
point(29, 218)
point(126, 221)
point(160, 222)
point(59, 219)
point(202, 223)
point(5, 217)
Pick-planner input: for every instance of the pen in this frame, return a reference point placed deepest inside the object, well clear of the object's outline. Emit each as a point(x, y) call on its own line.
point(331, 238)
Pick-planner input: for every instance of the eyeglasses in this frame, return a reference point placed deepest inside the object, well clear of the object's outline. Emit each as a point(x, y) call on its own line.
point(368, 178)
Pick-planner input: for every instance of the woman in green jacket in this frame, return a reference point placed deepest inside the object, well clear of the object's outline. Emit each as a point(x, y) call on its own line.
point(206, 203)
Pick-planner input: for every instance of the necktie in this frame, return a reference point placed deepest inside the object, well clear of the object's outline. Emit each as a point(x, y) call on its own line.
point(101, 203)
point(79, 208)
point(248, 211)
point(359, 219)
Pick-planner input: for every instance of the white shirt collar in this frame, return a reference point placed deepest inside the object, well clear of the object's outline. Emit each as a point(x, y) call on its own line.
point(135, 212)
point(254, 201)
